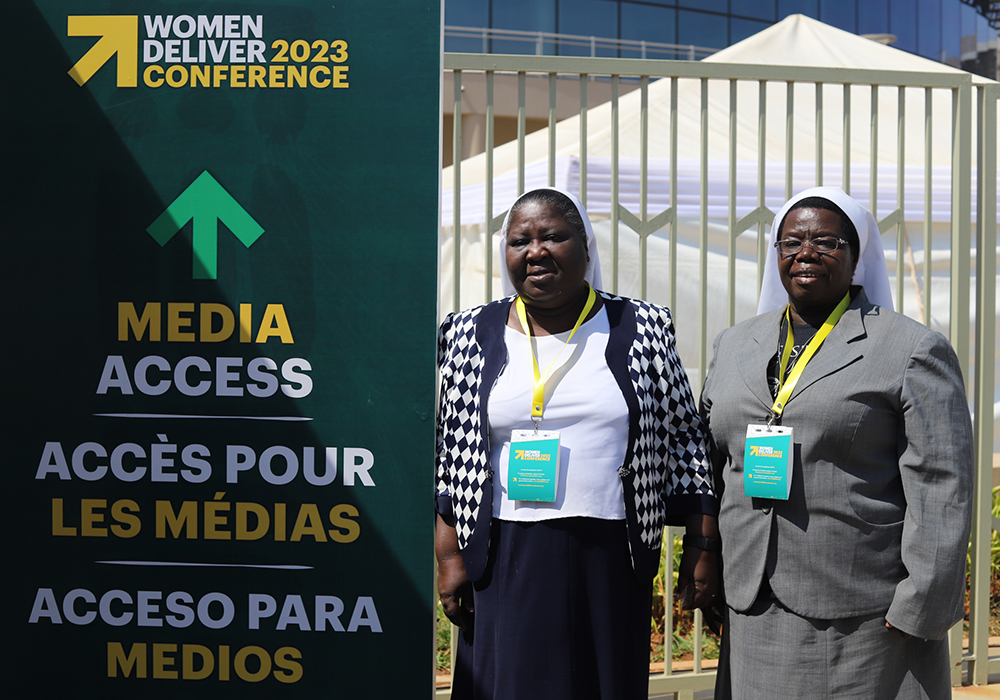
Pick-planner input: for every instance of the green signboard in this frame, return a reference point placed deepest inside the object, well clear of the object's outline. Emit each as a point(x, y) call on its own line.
point(219, 283)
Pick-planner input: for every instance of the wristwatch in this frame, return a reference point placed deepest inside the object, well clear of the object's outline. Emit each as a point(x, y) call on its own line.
point(709, 544)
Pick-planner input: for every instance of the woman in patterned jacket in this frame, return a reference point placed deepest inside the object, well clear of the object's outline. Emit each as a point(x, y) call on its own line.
point(567, 439)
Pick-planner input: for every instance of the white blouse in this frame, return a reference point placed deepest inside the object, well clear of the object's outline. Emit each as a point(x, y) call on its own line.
point(584, 403)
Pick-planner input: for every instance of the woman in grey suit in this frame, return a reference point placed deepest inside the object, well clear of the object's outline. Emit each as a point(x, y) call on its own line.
point(843, 543)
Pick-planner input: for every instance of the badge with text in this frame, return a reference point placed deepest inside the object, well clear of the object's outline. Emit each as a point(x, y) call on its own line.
point(533, 466)
point(767, 462)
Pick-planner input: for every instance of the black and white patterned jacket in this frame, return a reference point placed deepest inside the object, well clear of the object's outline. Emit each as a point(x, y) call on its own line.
point(666, 474)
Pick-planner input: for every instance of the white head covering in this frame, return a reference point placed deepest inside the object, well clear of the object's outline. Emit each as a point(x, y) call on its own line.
point(593, 275)
point(870, 273)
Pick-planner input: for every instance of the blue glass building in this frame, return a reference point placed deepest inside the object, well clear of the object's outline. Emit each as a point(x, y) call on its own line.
point(944, 30)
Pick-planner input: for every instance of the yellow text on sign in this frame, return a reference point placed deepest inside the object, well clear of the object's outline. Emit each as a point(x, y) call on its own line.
point(245, 76)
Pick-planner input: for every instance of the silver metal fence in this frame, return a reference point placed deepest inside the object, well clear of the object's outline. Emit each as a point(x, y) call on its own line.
point(548, 43)
point(691, 200)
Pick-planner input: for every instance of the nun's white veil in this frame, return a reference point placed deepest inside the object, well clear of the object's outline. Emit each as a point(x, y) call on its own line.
point(593, 275)
point(871, 271)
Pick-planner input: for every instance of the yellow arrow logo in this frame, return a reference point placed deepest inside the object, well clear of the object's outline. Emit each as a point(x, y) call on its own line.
point(119, 35)
point(518, 454)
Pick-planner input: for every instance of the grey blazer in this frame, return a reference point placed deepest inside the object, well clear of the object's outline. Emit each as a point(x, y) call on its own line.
point(879, 512)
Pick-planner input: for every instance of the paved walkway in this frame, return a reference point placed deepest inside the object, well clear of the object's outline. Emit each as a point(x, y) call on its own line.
point(971, 692)
point(964, 693)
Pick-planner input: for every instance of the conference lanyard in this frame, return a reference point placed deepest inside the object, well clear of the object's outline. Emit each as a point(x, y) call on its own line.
point(787, 386)
point(538, 394)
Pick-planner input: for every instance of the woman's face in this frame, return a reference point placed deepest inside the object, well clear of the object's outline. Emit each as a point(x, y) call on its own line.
point(810, 278)
point(546, 259)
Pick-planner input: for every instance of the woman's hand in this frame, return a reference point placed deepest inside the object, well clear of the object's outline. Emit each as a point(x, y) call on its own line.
point(697, 578)
point(698, 575)
point(905, 635)
point(454, 587)
point(455, 592)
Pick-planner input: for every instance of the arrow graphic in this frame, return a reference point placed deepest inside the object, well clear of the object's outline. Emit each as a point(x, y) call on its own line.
point(119, 35)
point(207, 203)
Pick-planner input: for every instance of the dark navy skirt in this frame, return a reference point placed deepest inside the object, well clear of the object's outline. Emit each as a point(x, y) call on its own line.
point(559, 614)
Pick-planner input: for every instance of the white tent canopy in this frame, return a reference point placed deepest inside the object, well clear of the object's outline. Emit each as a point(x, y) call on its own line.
point(795, 41)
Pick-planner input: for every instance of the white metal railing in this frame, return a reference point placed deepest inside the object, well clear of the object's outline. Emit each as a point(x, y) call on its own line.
point(550, 43)
point(683, 175)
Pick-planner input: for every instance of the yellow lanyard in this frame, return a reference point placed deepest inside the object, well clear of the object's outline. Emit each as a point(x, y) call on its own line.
point(786, 387)
point(538, 396)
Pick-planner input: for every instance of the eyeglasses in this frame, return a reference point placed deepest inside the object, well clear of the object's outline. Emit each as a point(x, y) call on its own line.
point(824, 245)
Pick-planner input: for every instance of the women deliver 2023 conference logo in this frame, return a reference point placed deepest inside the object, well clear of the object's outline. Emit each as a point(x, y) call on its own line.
point(210, 51)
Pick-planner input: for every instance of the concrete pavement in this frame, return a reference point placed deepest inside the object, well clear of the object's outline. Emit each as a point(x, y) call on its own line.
point(971, 692)
point(963, 693)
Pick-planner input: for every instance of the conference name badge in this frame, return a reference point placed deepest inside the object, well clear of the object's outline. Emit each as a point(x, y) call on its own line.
point(533, 465)
point(767, 462)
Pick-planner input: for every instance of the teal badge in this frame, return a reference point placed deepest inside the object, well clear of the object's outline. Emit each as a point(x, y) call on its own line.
point(533, 466)
point(767, 462)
